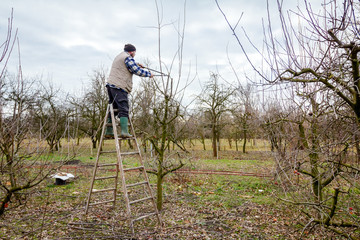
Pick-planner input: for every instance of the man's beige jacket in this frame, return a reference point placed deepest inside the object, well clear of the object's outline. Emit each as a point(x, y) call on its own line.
point(120, 76)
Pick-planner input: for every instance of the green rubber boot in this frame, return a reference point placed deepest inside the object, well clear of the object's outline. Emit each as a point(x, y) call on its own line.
point(124, 128)
point(109, 132)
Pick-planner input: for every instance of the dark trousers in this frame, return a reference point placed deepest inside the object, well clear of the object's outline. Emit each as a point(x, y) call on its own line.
point(119, 100)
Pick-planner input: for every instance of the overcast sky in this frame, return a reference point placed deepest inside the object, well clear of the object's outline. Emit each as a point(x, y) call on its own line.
point(63, 41)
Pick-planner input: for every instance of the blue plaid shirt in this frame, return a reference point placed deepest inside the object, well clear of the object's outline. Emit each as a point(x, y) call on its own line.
point(134, 68)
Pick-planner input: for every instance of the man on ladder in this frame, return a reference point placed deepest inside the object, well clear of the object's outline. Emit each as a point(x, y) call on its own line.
point(119, 85)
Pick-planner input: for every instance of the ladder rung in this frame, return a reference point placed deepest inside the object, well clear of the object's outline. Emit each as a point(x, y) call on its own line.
point(125, 138)
point(112, 151)
point(123, 153)
point(140, 200)
point(136, 184)
point(107, 164)
point(102, 178)
point(129, 153)
point(97, 203)
point(134, 168)
point(108, 137)
point(103, 190)
point(144, 216)
point(110, 124)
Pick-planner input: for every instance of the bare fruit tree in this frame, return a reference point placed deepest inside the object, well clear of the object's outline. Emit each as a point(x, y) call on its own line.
point(20, 149)
point(317, 59)
point(244, 113)
point(50, 116)
point(214, 99)
point(167, 91)
point(91, 106)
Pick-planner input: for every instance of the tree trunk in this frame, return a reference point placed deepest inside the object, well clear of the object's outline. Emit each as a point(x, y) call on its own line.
point(214, 138)
point(356, 140)
point(230, 142)
point(4, 202)
point(245, 139)
point(357, 149)
point(314, 155)
point(12, 173)
point(236, 141)
point(203, 142)
point(159, 192)
point(159, 184)
point(144, 145)
point(51, 145)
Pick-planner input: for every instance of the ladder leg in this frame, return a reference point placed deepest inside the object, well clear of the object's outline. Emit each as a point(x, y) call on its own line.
point(146, 176)
point(116, 139)
point(97, 160)
point(120, 166)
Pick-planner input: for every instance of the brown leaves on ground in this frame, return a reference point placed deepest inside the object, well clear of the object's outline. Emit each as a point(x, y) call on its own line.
point(56, 215)
point(195, 207)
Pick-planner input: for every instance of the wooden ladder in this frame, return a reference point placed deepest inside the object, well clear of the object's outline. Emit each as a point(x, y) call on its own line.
point(119, 168)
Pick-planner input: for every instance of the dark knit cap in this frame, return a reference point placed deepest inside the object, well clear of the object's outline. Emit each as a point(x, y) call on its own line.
point(129, 48)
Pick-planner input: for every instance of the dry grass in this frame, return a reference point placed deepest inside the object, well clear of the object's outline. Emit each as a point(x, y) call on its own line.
point(195, 207)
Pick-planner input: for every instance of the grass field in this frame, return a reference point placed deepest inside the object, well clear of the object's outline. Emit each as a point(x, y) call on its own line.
point(205, 206)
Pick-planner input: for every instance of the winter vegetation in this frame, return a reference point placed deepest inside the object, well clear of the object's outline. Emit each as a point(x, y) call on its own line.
point(231, 165)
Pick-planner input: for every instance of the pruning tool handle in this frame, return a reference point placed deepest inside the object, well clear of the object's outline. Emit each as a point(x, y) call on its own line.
point(159, 73)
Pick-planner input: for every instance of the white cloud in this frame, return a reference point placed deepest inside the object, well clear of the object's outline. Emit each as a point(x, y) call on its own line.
point(67, 39)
